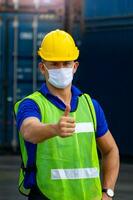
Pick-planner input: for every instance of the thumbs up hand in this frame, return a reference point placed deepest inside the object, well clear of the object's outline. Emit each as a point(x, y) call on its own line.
point(66, 124)
point(67, 110)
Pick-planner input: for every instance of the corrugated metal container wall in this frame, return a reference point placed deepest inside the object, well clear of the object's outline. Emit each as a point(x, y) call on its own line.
point(76, 33)
point(1, 64)
point(24, 35)
point(110, 8)
point(108, 72)
point(106, 64)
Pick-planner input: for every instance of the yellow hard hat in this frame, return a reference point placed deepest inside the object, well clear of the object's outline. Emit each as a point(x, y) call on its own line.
point(58, 45)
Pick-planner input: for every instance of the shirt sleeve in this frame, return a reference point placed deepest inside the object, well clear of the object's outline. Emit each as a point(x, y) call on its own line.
point(102, 126)
point(27, 108)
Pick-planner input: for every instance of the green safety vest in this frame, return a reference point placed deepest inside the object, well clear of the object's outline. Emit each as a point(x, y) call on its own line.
point(66, 168)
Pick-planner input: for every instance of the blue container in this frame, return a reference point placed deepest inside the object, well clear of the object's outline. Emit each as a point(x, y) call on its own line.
point(24, 29)
point(106, 73)
point(105, 70)
point(1, 77)
point(1, 46)
point(110, 8)
point(25, 45)
point(106, 64)
point(1, 114)
point(24, 89)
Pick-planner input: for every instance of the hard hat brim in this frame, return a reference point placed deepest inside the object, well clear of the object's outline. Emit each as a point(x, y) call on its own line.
point(49, 58)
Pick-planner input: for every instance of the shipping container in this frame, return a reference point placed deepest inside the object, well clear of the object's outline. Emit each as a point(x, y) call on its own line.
point(22, 37)
point(1, 46)
point(111, 8)
point(106, 64)
point(1, 79)
point(106, 73)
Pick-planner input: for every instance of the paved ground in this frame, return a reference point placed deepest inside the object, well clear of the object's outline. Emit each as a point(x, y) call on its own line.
point(9, 167)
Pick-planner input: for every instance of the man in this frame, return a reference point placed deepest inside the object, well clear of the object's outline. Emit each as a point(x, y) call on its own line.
point(59, 128)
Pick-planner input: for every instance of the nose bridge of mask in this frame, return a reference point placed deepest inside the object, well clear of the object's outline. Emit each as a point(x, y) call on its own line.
point(60, 69)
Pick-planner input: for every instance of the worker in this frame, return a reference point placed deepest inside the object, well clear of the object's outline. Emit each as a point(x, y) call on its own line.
point(60, 128)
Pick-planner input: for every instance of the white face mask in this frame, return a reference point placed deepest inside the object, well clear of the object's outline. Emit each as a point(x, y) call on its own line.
point(60, 78)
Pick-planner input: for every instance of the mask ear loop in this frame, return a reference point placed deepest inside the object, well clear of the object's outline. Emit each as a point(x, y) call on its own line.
point(45, 66)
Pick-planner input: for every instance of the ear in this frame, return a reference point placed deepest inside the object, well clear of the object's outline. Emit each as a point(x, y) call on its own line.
point(42, 68)
point(76, 64)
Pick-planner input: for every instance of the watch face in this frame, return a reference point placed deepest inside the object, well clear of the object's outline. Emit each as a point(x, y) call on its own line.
point(110, 192)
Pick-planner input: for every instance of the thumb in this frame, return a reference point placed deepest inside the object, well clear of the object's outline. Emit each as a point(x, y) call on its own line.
point(67, 110)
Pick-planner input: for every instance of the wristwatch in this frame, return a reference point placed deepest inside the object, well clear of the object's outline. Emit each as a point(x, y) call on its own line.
point(109, 192)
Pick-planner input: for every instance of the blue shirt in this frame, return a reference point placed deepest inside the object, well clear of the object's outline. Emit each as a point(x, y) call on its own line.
point(28, 108)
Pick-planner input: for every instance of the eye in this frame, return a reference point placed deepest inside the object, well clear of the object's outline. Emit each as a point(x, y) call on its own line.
point(54, 64)
point(67, 63)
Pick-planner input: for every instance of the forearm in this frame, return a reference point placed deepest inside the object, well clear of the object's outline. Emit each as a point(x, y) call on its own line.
point(110, 168)
point(36, 131)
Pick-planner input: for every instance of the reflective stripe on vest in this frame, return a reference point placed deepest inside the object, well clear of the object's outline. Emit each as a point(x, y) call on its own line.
point(74, 173)
point(85, 127)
